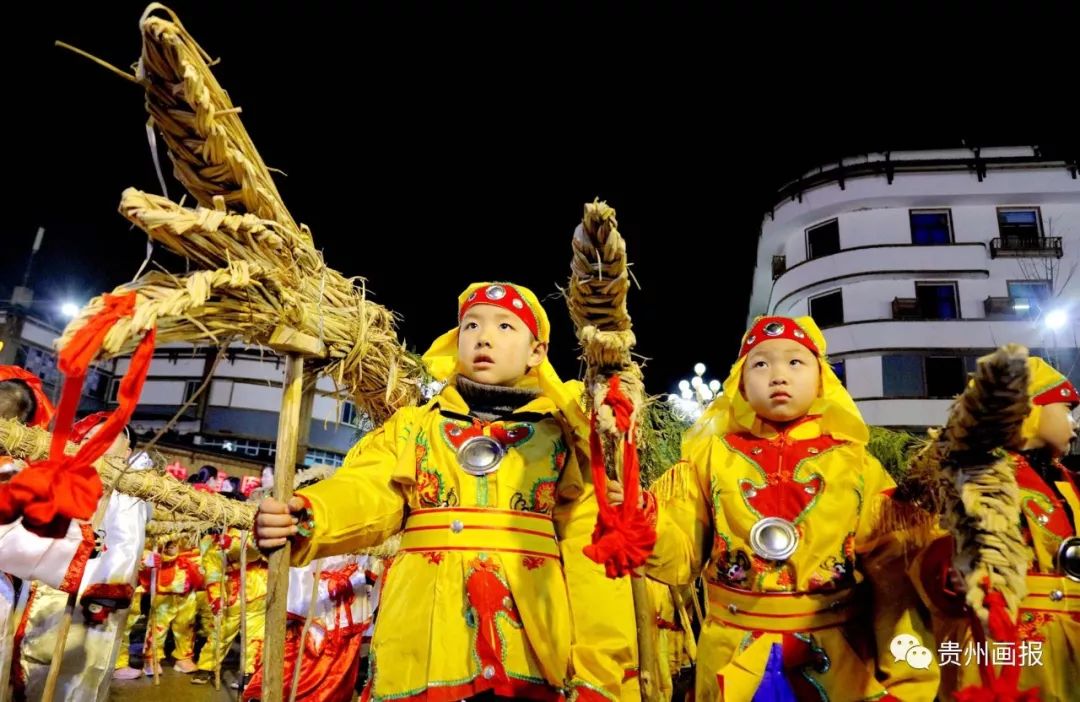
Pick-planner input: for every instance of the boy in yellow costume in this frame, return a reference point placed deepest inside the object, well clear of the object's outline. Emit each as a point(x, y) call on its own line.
point(217, 646)
point(178, 577)
point(484, 482)
point(805, 595)
point(1045, 657)
point(208, 552)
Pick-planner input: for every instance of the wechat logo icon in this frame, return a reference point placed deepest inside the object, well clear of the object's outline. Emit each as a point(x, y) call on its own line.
point(910, 650)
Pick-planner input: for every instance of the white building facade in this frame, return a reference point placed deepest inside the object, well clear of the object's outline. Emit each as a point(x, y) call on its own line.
point(917, 263)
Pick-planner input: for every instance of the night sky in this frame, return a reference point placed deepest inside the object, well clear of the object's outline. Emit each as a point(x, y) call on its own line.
point(430, 145)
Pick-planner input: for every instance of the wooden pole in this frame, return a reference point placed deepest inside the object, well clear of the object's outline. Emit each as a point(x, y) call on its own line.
point(648, 668)
point(150, 624)
point(220, 616)
point(316, 574)
point(58, 649)
point(277, 585)
point(57, 661)
point(243, 613)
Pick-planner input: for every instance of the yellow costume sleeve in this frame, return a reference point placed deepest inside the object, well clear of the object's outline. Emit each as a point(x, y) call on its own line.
point(604, 648)
point(885, 546)
point(683, 522)
point(365, 500)
point(210, 560)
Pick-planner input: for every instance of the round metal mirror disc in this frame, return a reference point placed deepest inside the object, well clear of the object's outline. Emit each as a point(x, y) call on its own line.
point(774, 538)
point(480, 455)
point(1068, 558)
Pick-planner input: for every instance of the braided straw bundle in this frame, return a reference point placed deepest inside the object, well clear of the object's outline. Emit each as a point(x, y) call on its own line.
point(971, 483)
point(260, 270)
point(596, 297)
point(160, 527)
point(30, 443)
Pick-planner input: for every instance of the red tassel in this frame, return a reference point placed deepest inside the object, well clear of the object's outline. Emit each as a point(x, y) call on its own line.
point(1002, 629)
point(489, 597)
point(51, 492)
point(1000, 691)
point(624, 536)
point(1002, 626)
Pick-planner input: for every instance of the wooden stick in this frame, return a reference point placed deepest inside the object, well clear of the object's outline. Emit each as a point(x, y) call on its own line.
point(150, 623)
point(58, 649)
point(57, 661)
point(220, 616)
point(648, 663)
point(277, 584)
point(304, 630)
point(689, 645)
point(243, 613)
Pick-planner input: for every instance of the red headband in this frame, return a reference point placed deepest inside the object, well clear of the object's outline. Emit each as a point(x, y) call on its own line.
point(508, 298)
point(1062, 392)
point(81, 428)
point(44, 412)
point(769, 328)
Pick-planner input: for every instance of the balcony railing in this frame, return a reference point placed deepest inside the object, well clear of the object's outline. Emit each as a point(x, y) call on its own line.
point(1024, 247)
point(779, 266)
point(1010, 307)
point(907, 308)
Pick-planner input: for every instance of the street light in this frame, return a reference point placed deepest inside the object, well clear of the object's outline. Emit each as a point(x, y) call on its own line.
point(1057, 319)
point(694, 394)
point(69, 310)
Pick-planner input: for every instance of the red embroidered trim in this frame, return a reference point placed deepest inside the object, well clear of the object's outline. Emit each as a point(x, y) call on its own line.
point(514, 689)
point(77, 567)
point(121, 592)
point(18, 679)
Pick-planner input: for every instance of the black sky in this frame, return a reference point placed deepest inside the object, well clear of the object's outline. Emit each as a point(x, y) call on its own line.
point(429, 145)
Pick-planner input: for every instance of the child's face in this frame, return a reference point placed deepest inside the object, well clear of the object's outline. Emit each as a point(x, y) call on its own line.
point(780, 380)
point(1057, 428)
point(495, 347)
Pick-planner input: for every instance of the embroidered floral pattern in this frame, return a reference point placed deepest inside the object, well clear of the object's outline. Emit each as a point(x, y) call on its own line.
point(559, 454)
point(430, 486)
point(541, 497)
point(1031, 623)
point(532, 562)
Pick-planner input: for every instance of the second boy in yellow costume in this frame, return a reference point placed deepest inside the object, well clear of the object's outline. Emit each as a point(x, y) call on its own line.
point(805, 595)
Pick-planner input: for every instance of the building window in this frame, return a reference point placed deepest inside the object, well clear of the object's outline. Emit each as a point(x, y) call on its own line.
point(931, 227)
point(349, 415)
point(114, 390)
point(828, 309)
point(1019, 226)
point(190, 388)
point(323, 458)
point(841, 371)
point(911, 376)
point(937, 300)
point(823, 239)
point(1027, 296)
point(945, 376)
point(248, 447)
point(902, 376)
